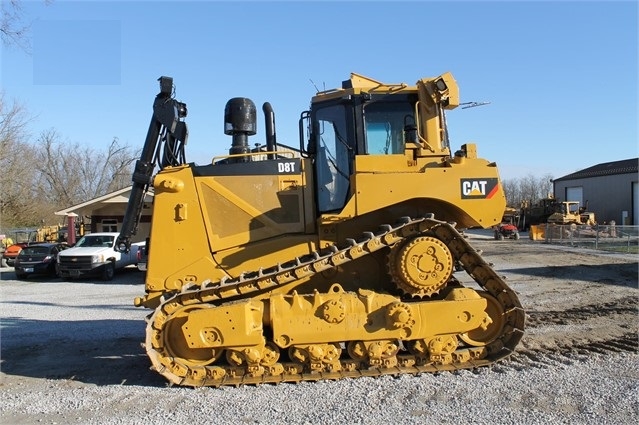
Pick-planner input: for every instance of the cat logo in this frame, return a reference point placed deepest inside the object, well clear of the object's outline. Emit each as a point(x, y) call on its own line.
point(479, 188)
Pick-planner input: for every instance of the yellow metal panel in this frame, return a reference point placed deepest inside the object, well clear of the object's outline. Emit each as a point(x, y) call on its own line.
point(387, 164)
point(172, 251)
point(234, 325)
point(259, 208)
point(469, 193)
point(302, 319)
point(265, 253)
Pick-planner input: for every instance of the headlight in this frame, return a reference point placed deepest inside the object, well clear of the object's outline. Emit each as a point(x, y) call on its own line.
point(97, 258)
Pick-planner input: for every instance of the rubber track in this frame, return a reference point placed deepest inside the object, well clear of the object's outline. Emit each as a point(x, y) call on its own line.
point(177, 372)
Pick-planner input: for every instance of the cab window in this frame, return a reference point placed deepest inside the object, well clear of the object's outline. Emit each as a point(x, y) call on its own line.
point(385, 124)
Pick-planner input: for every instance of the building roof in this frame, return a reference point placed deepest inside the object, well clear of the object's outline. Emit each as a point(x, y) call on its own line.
point(626, 166)
point(118, 197)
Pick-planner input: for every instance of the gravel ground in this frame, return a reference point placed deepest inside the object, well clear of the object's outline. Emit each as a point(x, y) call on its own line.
point(71, 354)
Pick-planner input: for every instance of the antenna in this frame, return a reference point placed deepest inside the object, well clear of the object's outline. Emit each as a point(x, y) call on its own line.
point(316, 89)
point(472, 104)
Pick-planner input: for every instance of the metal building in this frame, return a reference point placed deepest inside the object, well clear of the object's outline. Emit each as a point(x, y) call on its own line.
point(609, 189)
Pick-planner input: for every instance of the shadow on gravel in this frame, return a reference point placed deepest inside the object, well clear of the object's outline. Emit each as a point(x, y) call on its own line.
point(625, 274)
point(77, 351)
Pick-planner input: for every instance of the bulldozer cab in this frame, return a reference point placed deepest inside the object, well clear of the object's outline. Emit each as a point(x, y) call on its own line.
point(570, 207)
point(367, 117)
point(336, 141)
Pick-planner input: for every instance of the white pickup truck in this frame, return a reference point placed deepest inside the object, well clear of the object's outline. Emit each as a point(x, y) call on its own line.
point(94, 254)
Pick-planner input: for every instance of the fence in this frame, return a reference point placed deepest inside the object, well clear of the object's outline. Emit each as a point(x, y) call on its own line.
point(604, 237)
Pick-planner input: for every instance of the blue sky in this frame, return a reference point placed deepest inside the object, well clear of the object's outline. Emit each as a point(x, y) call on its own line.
point(560, 76)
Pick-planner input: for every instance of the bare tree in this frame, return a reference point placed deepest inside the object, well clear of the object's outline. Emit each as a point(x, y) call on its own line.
point(117, 164)
point(16, 180)
point(74, 174)
point(546, 186)
point(39, 179)
point(56, 163)
point(13, 28)
point(529, 189)
point(511, 190)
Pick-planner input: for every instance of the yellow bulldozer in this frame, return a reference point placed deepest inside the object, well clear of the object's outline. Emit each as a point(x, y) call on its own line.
point(330, 260)
point(569, 212)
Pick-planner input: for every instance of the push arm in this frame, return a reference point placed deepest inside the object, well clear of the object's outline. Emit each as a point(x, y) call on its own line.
point(166, 126)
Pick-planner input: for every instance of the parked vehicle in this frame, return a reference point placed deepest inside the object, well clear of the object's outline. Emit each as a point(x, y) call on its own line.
point(11, 253)
point(506, 231)
point(509, 226)
point(5, 242)
point(38, 259)
point(28, 236)
point(94, 254)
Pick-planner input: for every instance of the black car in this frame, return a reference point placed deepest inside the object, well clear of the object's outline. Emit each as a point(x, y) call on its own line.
point(38, 259)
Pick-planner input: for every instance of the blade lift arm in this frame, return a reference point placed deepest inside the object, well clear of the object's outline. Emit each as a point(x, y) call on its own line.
point(167, 128)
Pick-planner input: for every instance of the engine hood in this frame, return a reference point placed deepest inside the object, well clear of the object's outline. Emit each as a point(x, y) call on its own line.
point(83, 251)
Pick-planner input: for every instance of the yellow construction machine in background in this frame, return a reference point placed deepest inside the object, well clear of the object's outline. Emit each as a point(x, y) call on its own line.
point(567, 213)
point(571, 213)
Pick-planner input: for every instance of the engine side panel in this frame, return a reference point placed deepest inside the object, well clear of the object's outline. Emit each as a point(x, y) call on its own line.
point(469, 193)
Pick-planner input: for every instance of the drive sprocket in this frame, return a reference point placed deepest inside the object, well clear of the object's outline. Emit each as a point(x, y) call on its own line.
point(421, 266)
